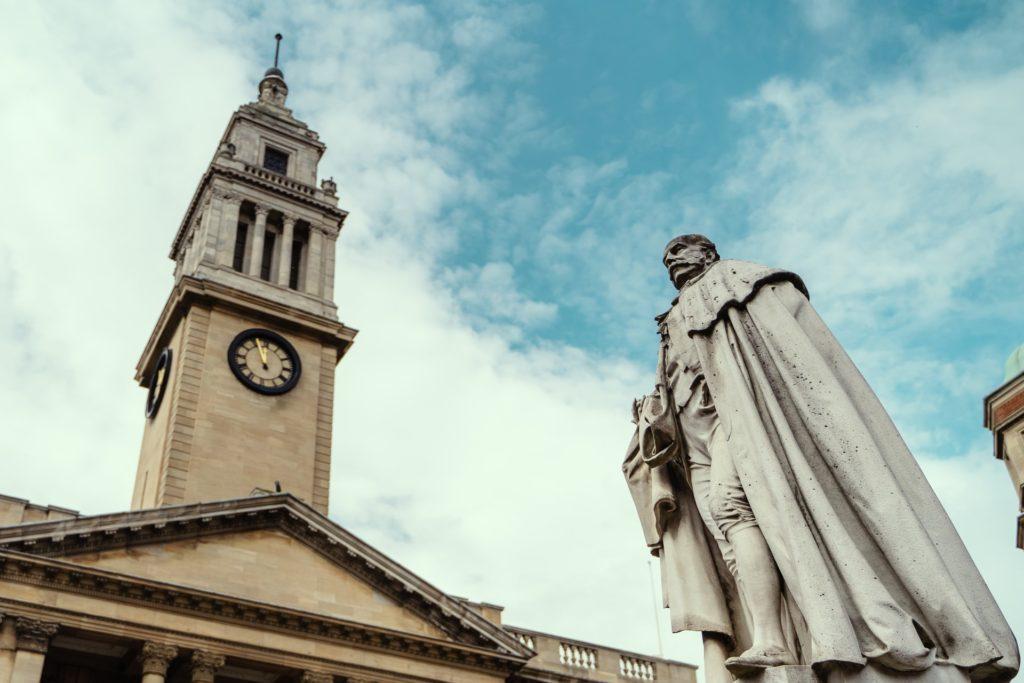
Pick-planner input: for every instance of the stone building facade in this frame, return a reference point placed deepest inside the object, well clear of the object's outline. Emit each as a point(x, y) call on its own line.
point(227, 568)
point(1004, 416)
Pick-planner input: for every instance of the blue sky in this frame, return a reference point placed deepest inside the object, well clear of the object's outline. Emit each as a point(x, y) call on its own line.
point(605, 128)
point(512, 172)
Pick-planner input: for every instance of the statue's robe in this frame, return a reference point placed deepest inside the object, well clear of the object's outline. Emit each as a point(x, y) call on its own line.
point(871, 562)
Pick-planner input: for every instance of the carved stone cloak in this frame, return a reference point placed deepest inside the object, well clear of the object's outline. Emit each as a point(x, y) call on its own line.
point(869, 557)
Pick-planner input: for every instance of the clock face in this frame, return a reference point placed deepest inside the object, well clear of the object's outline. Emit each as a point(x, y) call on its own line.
point(158, 382)
point(264, 361)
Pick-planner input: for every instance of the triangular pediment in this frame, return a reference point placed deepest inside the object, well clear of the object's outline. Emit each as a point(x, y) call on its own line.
point(268, 566)
point(272, 550)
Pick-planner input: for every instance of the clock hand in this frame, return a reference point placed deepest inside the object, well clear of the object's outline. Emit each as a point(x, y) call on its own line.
point(263, 352)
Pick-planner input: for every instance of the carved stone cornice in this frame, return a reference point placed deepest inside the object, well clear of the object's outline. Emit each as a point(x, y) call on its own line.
point(282, 512)
point(191, 291)
point(318, 677)
point(65, 576)
point(205, 665)
point(34, 634)
point(156, 657)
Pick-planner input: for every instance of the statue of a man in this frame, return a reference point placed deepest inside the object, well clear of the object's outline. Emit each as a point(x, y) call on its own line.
point(792, 523)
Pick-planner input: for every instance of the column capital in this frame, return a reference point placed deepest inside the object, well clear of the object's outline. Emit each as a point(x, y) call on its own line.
point(205, 665)
point(34, 634)
point(156, 657)
point(286, 219)
point(317, 677)
point(262, 211)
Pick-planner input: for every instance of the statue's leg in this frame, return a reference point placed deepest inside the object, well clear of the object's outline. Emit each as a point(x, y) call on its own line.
point(756, 572)
point(758, 579)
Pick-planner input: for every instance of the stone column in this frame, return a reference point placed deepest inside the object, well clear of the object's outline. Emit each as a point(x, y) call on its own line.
point(33, 639)
point(205, 666)
point(8, 646)
point(284, 265)
point(329, 252)
point(256, 254)
point(314, 258)
point(230, 208)
point(156, 657)
point(317, 677)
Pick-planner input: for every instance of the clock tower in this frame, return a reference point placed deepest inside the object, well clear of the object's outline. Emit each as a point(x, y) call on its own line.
point(240, 366)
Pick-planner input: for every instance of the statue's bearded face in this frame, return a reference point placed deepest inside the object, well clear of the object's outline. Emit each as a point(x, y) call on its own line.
point(684, 260)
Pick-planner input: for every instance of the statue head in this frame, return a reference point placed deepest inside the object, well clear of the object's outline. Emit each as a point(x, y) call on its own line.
point(687, 256)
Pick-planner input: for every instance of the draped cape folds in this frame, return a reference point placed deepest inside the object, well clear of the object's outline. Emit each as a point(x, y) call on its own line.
point(871, 562)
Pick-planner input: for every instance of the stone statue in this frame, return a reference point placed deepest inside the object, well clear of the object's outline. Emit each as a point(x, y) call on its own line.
point(794, 527)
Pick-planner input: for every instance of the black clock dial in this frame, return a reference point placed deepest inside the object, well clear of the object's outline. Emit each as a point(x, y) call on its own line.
point(264, 361)
point(158, 382)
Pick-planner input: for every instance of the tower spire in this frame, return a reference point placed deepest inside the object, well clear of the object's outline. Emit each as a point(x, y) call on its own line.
point(275, 70)
point(273, 90)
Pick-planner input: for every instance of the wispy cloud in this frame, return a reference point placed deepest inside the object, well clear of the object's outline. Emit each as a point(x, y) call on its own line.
point(505, 326)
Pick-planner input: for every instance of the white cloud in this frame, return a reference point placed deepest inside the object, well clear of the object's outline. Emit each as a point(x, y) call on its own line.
point(501, 480)
point(824, 15)
point(490, 292)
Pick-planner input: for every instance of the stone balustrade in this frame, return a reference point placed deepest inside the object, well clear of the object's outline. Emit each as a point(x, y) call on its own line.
point(579, 656)
point(281, 180)
point(584, 661)
point(637, 668)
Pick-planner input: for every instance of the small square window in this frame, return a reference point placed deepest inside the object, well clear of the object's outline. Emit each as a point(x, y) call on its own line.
point(275, 160)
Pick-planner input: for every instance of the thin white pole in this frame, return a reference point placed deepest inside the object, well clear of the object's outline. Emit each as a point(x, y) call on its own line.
point(654, 598)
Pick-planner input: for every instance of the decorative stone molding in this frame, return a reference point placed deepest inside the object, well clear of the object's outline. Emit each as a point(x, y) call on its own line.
point(282, 512)
point(74, 579)
point(205, 666)
point(272, 517)
point(318, 677)
point(34, 634)
point(226, 196)
point(156, 657)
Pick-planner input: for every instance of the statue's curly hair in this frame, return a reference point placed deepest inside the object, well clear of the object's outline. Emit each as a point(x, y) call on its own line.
point(699, 240)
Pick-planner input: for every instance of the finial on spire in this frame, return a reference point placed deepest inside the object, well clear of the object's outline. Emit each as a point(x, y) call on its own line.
point(274, 70)
point(273, 89)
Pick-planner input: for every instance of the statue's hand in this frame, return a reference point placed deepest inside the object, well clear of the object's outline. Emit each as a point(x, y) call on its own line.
point(637, 404)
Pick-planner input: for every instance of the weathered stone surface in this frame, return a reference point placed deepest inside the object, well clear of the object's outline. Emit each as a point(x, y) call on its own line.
point(785, 674)
point(265, 566)
point(156, 657)
point(790, 517)
point(939, 673)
